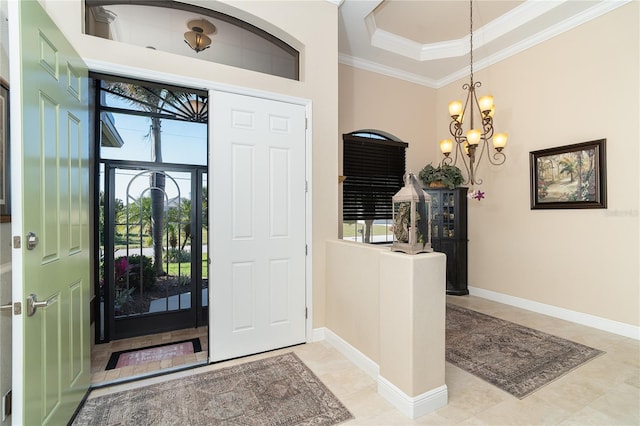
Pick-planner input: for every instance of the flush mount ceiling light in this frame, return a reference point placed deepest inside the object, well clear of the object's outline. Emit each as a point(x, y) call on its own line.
point(197, 38)
point(466, 145)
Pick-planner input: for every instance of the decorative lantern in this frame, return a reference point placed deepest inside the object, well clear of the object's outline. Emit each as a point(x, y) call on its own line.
point(411, 227)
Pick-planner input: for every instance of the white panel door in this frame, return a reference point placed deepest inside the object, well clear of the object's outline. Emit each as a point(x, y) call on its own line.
point(256, 225)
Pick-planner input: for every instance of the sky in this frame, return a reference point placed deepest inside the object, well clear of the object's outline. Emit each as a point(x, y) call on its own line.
point(182, 143)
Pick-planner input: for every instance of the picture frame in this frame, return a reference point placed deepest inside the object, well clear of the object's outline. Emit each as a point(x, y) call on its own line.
point(569, 177)
point(5, 175)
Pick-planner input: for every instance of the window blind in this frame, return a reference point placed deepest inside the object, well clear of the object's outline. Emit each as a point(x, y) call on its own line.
point(374, 171)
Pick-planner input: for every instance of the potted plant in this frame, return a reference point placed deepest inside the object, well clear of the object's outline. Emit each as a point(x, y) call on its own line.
point(441, 176)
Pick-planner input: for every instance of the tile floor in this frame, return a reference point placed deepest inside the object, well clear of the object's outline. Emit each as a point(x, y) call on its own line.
point(604, 391)
point(100, 355)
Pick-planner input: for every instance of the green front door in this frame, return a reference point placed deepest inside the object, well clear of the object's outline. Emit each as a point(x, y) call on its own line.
point(51, 210)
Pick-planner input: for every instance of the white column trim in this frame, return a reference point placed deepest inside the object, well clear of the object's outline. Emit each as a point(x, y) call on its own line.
point(413, 406)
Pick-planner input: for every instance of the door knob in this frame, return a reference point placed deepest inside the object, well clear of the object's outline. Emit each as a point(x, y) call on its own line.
point(33, 304)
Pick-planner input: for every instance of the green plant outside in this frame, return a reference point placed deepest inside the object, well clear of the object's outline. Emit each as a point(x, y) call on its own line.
point(349, 229)
point(174, 268)
point(123, 296)
point(184, 268)
point(120, 240)
point(132, 272)
point(175, 255)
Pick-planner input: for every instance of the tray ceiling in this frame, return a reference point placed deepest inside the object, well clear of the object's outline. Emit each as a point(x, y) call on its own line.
point(427, 41)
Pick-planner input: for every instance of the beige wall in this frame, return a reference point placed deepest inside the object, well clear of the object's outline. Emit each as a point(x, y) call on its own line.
point(580, 86)
point(310, 26)
point(373, 101)
point(4, 37)
point(576, 87)
point(353, 295)
point(412, 321)
point(384, 304)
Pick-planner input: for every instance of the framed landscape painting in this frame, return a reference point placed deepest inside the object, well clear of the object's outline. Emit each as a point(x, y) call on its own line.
point(569, 177)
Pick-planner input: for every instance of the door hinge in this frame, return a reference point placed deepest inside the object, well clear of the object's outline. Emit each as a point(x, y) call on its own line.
point(16, 242)
point(6, 405)
point(306, 250)
point(306, 123)
point(306, 313)
point(306, 186)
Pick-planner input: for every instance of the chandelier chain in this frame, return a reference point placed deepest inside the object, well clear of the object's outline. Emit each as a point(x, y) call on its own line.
point(471, 37)
point(472, 146)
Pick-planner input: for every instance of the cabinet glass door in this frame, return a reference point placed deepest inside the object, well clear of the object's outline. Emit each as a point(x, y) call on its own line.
point(435, 214)
point(448, 215)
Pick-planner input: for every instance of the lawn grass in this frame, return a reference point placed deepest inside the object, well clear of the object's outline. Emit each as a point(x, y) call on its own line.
point(349, 229)
point(184, 268)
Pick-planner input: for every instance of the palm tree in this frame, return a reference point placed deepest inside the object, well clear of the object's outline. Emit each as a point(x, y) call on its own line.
point(186, 221)
point(205, 207)
point(118, 211)
point(568, 165)
point(140, 215)
point(159, 102)
point(579, 173)
point(180, 219)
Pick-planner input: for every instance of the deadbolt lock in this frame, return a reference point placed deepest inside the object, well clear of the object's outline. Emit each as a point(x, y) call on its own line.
point(32, 240)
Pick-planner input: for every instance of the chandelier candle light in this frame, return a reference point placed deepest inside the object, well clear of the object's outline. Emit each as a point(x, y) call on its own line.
point(476, 137)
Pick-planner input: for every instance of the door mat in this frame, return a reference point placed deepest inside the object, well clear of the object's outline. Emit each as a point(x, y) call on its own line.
point(517, 359)
point(280, 390)
point(153, 353)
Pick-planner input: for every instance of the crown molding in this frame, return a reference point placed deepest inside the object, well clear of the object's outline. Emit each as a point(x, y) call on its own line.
point(411, 49)
point(103, 15)
point(593, 12)
point(367, 65)
point(497, 28)
point(513, 19)
point(336, 2)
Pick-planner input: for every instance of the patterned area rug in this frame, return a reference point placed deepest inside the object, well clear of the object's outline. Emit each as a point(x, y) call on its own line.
point(280, 390)
point(514, 358)
point(153, 353)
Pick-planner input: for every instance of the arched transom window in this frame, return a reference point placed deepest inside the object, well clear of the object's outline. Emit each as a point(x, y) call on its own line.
point(192, 31)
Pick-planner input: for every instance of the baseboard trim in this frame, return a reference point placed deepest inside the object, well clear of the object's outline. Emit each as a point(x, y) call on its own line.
point(588, 320)
point(362, 361)
point(317, 334)
point(413, 407)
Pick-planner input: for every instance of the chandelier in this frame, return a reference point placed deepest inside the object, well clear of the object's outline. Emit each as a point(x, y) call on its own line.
point(197, 38)
point(475, 111)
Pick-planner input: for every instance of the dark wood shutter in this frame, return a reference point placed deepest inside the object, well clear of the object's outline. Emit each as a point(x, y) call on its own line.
point(374, 171)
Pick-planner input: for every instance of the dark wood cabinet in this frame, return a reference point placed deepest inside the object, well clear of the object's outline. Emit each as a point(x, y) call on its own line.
point(449, 234)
